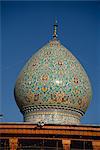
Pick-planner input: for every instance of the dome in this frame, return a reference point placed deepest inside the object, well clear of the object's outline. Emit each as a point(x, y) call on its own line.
point(53, 87)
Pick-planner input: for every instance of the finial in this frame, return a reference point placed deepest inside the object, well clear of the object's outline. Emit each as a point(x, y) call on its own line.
point(55, 30)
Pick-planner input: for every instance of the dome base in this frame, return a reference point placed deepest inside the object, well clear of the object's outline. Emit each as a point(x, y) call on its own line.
point(53, 117)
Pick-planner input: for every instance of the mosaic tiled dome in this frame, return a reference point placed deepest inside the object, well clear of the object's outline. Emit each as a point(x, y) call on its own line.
point(53, 87)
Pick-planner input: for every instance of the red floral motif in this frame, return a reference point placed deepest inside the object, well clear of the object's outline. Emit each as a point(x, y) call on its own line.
point(76, 80)
point(45, 77)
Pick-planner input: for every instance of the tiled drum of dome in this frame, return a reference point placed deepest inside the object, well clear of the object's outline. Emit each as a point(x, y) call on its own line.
point(53, 77)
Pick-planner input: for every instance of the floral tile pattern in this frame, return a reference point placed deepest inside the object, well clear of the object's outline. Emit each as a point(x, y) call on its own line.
point(53, 77)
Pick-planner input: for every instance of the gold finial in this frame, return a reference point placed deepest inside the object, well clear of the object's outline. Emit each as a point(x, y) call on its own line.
point(55, 30)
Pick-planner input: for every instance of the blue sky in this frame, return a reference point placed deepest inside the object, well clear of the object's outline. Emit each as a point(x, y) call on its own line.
point(27, 26)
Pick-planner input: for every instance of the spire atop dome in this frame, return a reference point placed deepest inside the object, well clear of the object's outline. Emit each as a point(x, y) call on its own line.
point(55, 29)
point(53, 88)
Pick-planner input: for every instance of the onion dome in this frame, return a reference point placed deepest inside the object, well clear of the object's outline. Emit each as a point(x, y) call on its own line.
point(53, 86)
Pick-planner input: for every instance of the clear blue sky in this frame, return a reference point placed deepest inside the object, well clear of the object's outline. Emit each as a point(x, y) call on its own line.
point(26, 26)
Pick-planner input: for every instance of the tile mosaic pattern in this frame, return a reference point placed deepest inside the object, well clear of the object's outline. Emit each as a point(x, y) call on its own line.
point(54, 117)
point(53, 77)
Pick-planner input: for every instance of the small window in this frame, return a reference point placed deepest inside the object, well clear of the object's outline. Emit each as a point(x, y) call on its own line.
point(81, 145)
